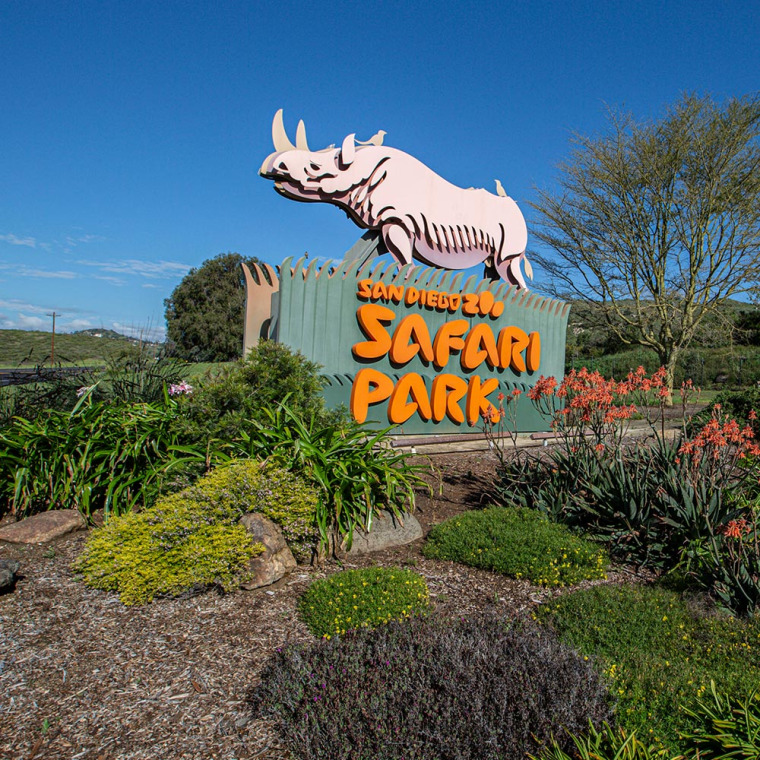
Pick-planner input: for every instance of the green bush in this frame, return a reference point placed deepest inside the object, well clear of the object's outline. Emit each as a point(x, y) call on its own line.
point(737, 404)
point(223, 405)
point(657, 653)
point(173, 548)
point(702, 365)
point(192, 539)
point(355, 469)
point(249, 485)
point(519, 543)
point(475, 688)
point(111, 456)
point(136, 374)
point(361, 599)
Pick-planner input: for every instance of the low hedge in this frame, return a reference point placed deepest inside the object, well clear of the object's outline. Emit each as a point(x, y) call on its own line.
point(519, 543)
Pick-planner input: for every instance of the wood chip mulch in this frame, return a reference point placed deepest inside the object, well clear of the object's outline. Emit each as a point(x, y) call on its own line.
point(83, 677)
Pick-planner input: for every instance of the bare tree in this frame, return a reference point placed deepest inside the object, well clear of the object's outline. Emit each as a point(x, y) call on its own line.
point(658, 222)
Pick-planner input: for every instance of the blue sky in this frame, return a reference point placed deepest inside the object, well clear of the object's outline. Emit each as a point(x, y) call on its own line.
point(131, 133)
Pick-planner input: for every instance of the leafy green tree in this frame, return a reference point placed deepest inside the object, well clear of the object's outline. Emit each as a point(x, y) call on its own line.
point(658, 222)
point(205, 313)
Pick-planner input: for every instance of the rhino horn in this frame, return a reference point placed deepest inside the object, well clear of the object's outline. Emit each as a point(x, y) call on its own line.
point(279, 135)
point(301, 143)
point(348, 150)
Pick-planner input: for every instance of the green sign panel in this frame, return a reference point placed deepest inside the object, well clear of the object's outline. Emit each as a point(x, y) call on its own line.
point(419, 347)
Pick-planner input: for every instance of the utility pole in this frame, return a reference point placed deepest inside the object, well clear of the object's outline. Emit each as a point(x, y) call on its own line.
point(52, 339)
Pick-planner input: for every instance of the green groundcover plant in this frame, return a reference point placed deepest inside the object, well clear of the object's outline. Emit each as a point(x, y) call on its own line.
point(475, 688)
point(658, 653)
point(362, 598)
point(191, 540)
point(520, 543)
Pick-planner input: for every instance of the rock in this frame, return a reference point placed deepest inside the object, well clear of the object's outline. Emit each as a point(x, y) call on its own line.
point(276, 561)
point(39, 529)
point(8, 570)
point(385, 533)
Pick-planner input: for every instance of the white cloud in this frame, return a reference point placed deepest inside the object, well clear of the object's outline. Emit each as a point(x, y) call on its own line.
point(140, 268)
point(22, 270)
point(76, 324)
point(47, 274)
point(29, 242)
point(149, 285)
point(22, 306)
point(135, 331)
point(66, 243)
point(29, 322)
point(113, 280)
point(15, 305)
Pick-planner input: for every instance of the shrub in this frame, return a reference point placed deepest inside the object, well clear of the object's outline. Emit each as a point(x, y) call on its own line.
point(519, 543)
point(191, 540)
point(727, 728)
point(473, 689)
point(173, 548)
point(690, 500)
point(356, 471)
point(223, 405)
point(135, 374)
point(738, 404)
point(657, 653)
point(252, 486)
point(362, 599)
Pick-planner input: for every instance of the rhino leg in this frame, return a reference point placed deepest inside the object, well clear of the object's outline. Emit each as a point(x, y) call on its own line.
point(398, 241)
point(509, 270)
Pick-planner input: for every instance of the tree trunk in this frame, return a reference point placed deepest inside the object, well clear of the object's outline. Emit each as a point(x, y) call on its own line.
point(668, 360)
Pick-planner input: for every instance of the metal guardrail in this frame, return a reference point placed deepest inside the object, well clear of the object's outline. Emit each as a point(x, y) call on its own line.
point(24, 376)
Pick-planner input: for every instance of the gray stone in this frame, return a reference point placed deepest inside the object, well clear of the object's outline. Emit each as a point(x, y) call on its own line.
point(386, 532)
point(39, 529)
point(8, 570)
point(277, 559)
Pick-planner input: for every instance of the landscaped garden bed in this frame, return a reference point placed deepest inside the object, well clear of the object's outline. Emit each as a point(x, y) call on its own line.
point(173, 678)
point(568, 599)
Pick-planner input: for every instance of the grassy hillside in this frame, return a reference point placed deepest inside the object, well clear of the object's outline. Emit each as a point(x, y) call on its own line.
point(29, 348)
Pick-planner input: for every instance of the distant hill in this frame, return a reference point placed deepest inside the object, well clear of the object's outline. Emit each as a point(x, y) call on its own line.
point(30, 348)
point(102, 332)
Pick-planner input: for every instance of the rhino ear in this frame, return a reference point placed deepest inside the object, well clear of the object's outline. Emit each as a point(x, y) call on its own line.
point(348, 150)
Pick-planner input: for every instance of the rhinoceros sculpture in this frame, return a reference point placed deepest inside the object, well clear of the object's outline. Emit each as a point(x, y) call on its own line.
point(419, 214)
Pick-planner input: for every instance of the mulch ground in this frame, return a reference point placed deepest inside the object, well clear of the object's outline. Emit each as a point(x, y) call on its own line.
point(83, 676)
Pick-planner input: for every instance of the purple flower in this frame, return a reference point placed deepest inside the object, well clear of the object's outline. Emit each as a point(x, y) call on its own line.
point(177, 389)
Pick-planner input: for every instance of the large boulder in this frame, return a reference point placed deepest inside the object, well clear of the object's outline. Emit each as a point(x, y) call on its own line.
point(8, 570)
point(277, 559)
point(39, 529)
point(387, 531)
